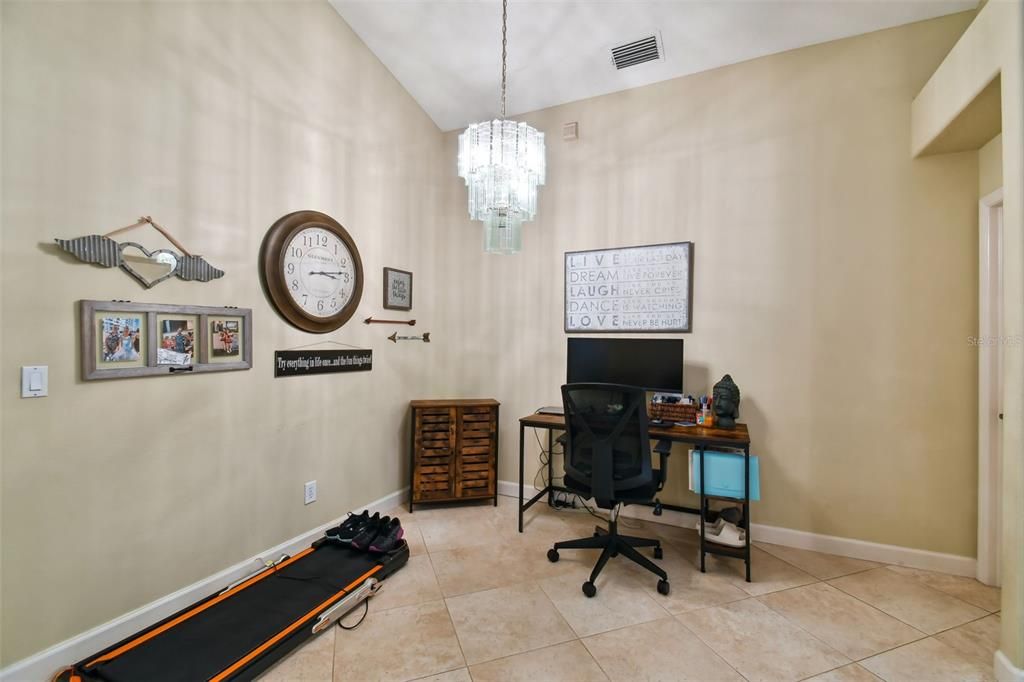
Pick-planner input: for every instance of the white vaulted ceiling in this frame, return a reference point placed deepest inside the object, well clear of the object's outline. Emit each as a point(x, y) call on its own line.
point(447, 53)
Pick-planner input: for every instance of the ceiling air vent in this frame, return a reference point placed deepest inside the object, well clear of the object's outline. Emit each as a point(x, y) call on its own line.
point(646, 49)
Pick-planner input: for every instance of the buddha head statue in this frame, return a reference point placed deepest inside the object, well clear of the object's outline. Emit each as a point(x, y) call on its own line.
point(726, 397)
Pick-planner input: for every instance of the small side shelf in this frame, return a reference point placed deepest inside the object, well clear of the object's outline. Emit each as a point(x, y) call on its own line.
point(715, 549)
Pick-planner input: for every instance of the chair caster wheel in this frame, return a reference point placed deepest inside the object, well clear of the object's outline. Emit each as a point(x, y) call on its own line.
point(658, 553)
point(657, 508)
point(589, 589)
point(552, 555)
point(615, 554)
point(663, 587)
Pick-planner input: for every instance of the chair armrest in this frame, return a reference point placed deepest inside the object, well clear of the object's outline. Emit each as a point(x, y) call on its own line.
point(664, 449)
point(563, 439)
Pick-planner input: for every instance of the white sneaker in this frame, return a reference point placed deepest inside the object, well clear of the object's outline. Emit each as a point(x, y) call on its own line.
point(729, 534)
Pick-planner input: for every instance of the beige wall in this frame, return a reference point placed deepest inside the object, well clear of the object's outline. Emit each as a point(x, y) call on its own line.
point(216, 119)
point(994, 44)
point(990, 166)
point(835, 277)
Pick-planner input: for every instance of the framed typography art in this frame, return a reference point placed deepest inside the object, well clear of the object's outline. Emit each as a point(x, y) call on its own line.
point(122, 339)
point(397, 289)
point(630, 290)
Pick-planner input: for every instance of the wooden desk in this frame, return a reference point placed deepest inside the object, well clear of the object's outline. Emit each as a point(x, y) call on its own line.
point(701, 437)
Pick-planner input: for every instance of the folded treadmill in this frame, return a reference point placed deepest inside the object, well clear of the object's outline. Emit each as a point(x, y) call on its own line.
point(240, 632)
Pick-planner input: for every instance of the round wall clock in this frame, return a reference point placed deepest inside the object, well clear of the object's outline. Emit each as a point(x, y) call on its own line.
point(311, 271)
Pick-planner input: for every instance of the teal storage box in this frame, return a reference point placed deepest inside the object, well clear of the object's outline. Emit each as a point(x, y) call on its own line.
point(724, 475)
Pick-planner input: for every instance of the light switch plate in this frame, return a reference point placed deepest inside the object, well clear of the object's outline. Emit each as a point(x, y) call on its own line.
point(34, 381)
point(309, 492)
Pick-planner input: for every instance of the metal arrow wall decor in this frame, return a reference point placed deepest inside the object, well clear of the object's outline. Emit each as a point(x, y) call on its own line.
point(370, 320)
point(148, 269)
point(425, 338)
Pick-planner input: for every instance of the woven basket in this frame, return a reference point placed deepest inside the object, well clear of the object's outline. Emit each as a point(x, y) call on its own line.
point(673, 412)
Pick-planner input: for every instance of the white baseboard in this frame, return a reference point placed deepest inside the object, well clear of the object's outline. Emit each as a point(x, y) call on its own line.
point(511, 489)
point(869, 551)
point(1007, 671)
point(43, 665)
point(830, 544)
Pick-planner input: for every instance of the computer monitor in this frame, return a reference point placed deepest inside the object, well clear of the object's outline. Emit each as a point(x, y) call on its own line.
point(652, 364)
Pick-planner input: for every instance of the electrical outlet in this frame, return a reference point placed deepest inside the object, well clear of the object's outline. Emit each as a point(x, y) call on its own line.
point(309, 492)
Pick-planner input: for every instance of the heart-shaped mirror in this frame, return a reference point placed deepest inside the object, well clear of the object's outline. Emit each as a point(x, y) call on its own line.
point(148, 267)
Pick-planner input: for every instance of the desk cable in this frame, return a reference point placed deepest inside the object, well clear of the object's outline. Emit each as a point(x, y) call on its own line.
point(545, 457)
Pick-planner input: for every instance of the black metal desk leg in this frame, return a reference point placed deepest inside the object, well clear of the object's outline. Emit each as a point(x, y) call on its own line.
point(551, 490)
point(702, 503)
point(522, 431)
point(746, 505)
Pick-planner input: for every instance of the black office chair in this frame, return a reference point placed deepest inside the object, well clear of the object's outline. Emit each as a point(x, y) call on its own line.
point(608, 457)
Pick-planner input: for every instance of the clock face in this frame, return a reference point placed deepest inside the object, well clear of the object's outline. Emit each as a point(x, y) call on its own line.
point(320, 272)
point(311, 271)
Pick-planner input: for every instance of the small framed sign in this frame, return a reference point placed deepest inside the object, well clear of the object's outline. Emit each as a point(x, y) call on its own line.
point(397, 289)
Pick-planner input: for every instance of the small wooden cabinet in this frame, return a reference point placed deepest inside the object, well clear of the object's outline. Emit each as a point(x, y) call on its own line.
point(454, 450)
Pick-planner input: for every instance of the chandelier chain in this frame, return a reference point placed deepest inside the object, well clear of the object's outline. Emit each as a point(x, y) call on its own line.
point(502, 162)
point(504, 54)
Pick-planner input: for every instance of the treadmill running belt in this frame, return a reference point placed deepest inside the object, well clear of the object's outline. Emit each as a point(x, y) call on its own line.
point(216, 637)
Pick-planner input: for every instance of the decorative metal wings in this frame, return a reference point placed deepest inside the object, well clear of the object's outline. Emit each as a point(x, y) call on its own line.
point(102, 250)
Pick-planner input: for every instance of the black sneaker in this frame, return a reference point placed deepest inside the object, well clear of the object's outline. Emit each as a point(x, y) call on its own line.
point(370, 531)
point(349, 528)
point(389, 537)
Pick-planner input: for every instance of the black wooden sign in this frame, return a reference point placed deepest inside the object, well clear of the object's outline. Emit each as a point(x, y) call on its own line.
point(297, 363)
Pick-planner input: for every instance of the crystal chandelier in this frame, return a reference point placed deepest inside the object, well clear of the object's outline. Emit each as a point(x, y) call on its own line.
point(503, 163)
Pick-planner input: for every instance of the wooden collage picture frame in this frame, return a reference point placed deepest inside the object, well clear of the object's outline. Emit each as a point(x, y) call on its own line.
point(121, 339)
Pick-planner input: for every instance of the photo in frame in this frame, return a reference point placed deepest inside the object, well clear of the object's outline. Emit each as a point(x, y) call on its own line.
point(178, 339)
point(397, 289)
point(226, 339)
point(121, 342)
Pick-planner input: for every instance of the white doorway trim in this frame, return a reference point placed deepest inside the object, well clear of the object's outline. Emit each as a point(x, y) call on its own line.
point(990, 353)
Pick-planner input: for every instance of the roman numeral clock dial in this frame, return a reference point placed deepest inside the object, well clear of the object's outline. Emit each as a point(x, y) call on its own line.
point(311, 271)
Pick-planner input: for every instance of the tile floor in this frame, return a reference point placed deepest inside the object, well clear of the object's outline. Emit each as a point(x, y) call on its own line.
point(478, 601)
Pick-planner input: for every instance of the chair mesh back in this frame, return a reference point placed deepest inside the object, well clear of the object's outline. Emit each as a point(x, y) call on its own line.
point(607, 420)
